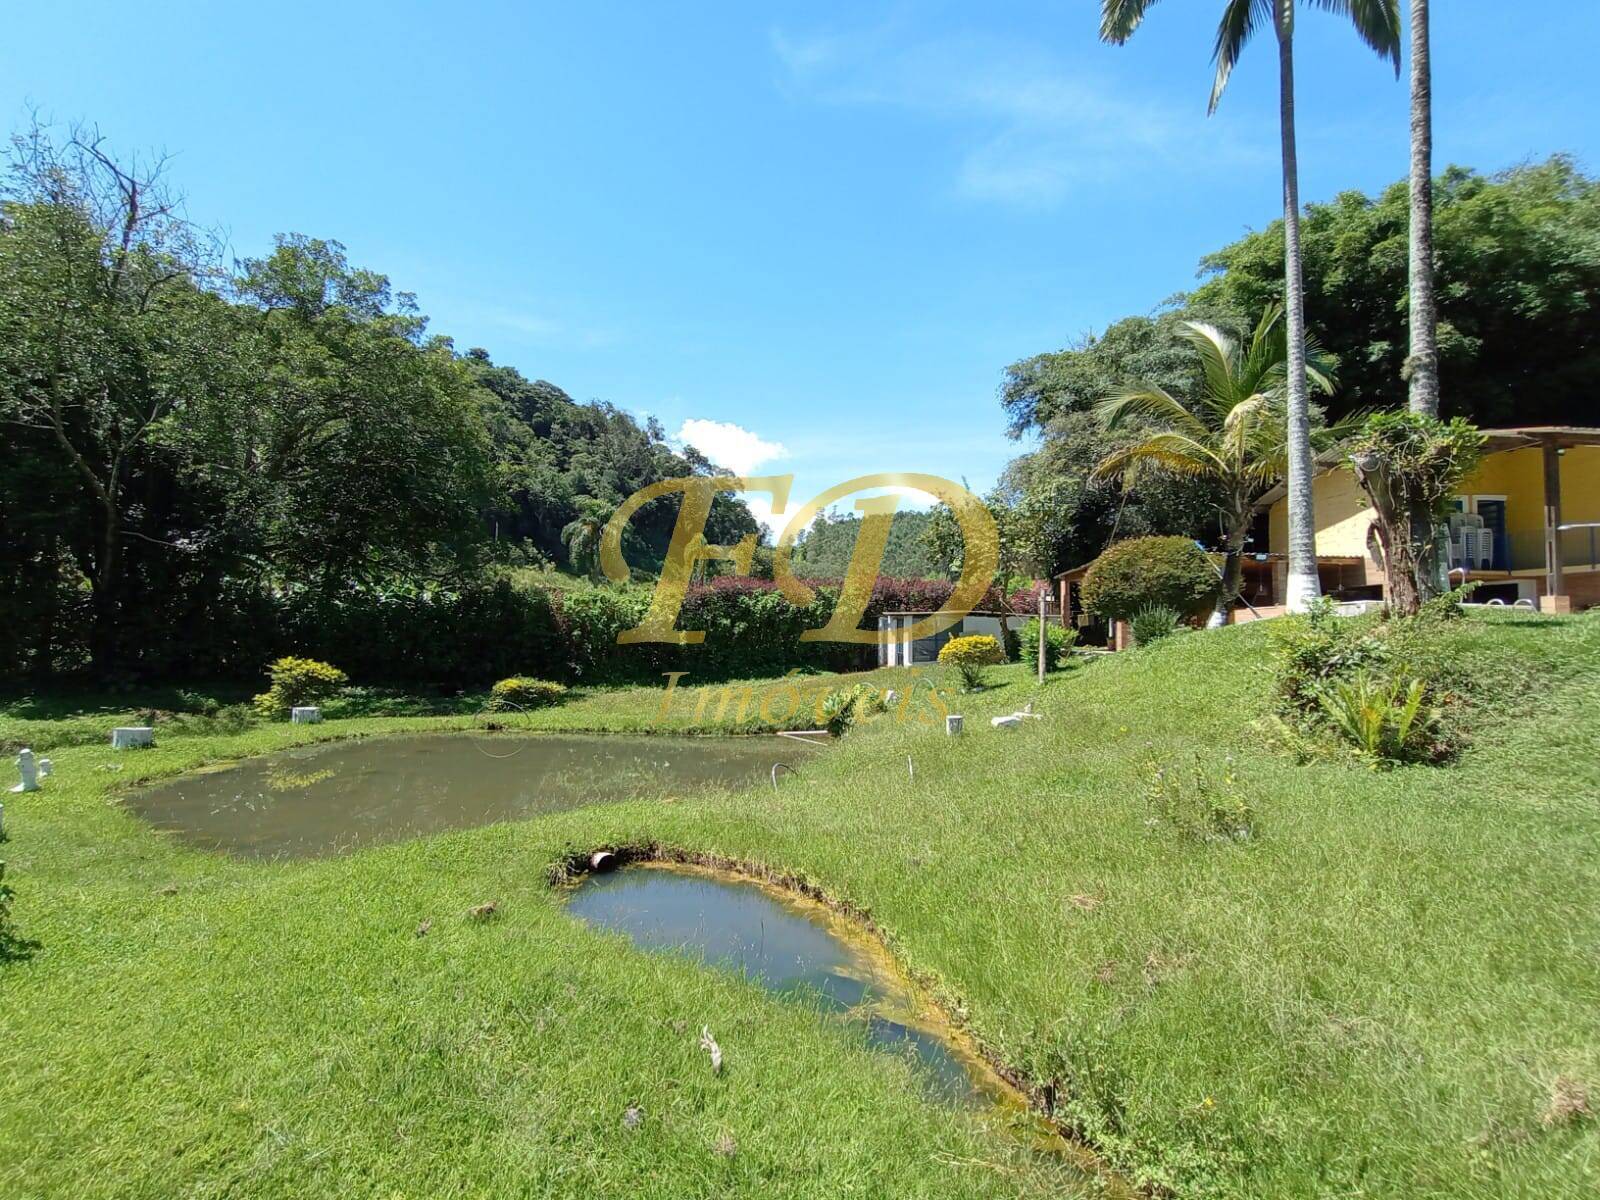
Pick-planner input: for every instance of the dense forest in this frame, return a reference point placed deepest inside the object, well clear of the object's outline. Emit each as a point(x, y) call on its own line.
point(823, 551)
point(189, 439)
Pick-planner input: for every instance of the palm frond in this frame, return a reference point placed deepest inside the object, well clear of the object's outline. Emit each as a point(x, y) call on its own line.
point(1219, 355)
point(1320, 367)
point(1149, 403)
point(1240, 21)
point(1119, 18)
point(1171, 452)
point(1377, 23)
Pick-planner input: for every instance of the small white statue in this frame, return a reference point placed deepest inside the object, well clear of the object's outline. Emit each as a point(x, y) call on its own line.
point(32, 770)
point(1011, 722)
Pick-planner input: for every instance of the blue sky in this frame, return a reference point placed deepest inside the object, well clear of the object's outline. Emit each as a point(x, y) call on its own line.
point(819, 230)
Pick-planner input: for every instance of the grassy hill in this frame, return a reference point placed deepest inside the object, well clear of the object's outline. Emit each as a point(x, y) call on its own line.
point(1389, 989)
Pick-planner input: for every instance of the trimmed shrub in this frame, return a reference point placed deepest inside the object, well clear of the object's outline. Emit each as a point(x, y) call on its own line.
point(1058, 644)
point(297, 681)
point(1152, 623)
point(521, 691)
point(970, 655)
point(1142, 571)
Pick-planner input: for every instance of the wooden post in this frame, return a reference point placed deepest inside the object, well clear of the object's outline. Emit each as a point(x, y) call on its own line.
point(1554, 585)
point(1043, 638)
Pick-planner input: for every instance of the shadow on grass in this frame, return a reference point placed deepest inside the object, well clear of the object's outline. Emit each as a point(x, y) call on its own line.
point(15, 949)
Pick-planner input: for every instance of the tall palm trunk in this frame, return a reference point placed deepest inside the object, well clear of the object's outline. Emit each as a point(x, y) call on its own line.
point(1422, 367)
point(1303, 585)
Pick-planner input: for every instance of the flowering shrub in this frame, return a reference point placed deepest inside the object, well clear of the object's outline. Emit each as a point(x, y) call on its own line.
point(520, 691)
point(297, 681)
point(970, 655)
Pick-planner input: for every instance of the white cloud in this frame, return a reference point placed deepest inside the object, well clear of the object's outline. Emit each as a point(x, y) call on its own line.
point(741, 452)
point(729, 445)
point(1031, 127)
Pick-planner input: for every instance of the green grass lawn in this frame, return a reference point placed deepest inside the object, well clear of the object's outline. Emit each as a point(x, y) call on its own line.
point(1374, 996)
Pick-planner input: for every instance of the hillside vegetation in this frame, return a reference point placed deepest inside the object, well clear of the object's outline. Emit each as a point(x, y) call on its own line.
point(1387, 989)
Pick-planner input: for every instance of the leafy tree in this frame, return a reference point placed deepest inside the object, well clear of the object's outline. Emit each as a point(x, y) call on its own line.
point(1065, 514)
point(551, 452)
point(1410, 465)
point(107, 336)
point(1518, 287)
point(1043, 389)
point(824, 550)
point(1377, 22)
point(359, 453)
point(1232, 433)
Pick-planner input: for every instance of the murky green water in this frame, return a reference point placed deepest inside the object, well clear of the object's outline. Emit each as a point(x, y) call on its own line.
point(786, 948)
point(315, 801)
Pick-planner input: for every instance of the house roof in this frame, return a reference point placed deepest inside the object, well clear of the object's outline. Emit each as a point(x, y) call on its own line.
point(1518, 436)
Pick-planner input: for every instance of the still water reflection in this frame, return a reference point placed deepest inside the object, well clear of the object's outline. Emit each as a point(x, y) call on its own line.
point(315, 801)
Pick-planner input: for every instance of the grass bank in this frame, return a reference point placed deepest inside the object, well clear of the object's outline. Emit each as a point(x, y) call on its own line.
point(1378, 994)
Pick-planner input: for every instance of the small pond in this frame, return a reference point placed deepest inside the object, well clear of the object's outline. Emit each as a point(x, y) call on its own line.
point(790, 947)
point(315, 801)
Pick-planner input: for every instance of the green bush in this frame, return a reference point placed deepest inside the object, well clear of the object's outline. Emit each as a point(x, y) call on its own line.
point(298, 681)
point(1311, 650)
point(1152, 623)
point(522, 692)
point(1139, 572)
point(843, 707)
point(1058, 644)
point(1385, 720)
point(970, 655)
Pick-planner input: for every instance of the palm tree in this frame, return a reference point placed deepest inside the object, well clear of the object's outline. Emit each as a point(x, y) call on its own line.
point(1377, 23)
point(1422, 367)
point(581, 535)
point(1233, 434)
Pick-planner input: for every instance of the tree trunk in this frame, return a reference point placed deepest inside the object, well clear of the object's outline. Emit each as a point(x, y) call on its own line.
point(1403, 529)
point(1232, 571)
point(1422, 367)
point(1303, 585)
point(106, 586)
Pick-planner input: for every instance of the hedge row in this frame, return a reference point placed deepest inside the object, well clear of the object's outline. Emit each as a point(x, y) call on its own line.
point(473, 636)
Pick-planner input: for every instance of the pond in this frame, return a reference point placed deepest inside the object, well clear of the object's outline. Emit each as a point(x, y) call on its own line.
point(790, 947)
point(315, 801)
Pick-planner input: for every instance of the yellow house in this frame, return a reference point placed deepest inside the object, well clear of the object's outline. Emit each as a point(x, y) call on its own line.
point(1527, 525)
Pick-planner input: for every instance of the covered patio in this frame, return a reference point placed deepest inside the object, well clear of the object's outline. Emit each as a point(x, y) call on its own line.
point(1570, 575)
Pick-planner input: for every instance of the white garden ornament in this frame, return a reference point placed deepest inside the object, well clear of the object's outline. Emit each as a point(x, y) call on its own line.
point(131, 737)
point(32, 770)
